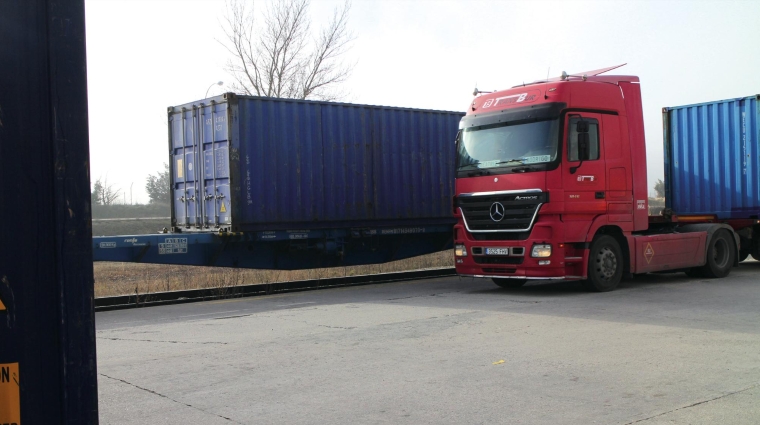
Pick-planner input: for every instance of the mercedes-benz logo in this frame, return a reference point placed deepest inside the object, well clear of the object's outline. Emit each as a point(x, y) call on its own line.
point(497, 211)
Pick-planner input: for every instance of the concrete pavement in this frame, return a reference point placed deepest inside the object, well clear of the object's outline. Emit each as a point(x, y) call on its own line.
point(662, 349)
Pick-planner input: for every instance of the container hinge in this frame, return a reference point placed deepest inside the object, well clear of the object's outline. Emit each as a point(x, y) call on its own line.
point(182, 199)
point(207, 197)
point(220, 196)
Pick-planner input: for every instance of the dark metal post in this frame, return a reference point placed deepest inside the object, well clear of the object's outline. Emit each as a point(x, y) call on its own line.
point(47, 335)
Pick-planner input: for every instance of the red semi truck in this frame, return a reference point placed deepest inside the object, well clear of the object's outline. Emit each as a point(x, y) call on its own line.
point(552, 184)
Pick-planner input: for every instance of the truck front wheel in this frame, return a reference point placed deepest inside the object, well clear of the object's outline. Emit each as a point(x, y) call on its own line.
point(720, 255)
point(605, 264)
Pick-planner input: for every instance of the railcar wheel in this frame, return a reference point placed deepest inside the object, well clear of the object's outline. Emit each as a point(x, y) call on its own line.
point(720, 255)
point(605, 264)
point(509, 283)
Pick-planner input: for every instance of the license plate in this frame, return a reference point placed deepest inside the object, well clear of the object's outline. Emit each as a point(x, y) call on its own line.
point(497, 251)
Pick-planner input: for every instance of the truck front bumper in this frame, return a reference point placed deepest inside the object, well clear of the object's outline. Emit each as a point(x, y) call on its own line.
point(564, 262)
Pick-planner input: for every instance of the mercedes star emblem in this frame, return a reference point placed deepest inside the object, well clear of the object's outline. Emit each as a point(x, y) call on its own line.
point(497, 211)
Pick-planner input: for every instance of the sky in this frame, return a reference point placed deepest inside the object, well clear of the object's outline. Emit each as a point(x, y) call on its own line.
point(146, 55)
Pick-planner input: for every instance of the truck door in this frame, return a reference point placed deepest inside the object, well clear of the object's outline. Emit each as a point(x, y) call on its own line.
point(584, 182)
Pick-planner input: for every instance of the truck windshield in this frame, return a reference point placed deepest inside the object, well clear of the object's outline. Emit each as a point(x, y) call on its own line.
point(507, 145)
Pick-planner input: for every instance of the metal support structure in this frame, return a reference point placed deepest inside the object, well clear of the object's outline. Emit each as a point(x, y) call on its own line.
point(47, 331)
point(280, 250)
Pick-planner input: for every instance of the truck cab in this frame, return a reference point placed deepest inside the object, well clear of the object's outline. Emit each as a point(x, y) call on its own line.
point(551, 184)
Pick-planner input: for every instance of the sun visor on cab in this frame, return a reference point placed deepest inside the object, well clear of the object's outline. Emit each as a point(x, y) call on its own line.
point(522, 115)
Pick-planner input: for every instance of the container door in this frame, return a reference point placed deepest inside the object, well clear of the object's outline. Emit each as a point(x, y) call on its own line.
point(215, 192)
point(185, 178)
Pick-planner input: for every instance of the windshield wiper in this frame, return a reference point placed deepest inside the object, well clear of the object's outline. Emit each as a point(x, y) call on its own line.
point(474, 164)
point(485, 172)
point(523, 169)
point(509, 161)
point(478, 173)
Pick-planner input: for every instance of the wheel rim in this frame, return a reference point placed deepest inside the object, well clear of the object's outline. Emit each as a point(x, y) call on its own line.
point(606, 263)
point(720, 253)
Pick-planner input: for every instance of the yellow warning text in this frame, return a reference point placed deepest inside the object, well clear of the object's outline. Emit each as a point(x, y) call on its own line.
point(10, 405)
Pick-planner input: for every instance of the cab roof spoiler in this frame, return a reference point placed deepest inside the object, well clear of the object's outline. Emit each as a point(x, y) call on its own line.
point(582, 75)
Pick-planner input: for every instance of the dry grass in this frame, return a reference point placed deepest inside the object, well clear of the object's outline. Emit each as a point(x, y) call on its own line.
point(142, 279)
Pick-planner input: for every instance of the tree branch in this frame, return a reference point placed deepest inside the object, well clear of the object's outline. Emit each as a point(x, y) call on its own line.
point(277, 59)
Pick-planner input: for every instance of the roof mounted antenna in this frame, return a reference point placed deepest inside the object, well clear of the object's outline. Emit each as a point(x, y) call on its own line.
point(584, 76)
point(477, 92)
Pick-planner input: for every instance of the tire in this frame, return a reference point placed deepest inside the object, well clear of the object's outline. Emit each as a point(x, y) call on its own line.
point(605, 264)
point(509, 283)
point(721, 253)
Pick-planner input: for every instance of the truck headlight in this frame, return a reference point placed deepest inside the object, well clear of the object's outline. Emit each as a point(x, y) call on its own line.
point(541, 251)
point(460, 251)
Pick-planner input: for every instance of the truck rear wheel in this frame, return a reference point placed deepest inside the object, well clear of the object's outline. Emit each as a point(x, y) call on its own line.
point(720, 255)
point(605, 264)
point(509, 283)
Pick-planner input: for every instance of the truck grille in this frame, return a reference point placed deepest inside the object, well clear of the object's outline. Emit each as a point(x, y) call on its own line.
point(517, 211)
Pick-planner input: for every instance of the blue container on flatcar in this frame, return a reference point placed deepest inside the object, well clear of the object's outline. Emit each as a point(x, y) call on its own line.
point(712, 158)
point(241, 163)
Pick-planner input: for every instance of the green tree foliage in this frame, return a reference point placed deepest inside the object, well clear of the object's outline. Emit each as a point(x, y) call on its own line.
point(659, 188)
point(158, 186)
point(96, 190)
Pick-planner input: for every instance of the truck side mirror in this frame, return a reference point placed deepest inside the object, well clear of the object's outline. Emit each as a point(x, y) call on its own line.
point(583, 152)
point(583, 145)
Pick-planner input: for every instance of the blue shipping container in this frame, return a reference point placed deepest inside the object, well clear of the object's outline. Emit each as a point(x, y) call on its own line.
point(712, 158)
point(243, 163)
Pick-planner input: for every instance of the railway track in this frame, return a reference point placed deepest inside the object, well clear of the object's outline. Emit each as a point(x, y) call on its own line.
point(196, 295)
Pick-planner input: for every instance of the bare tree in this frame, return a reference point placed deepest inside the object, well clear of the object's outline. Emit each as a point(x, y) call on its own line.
point(280, 58)
point(104, 193)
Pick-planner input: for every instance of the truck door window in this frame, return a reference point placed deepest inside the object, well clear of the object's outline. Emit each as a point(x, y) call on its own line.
point(593, 139)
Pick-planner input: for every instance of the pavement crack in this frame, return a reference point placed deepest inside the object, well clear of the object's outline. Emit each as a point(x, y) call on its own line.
point(169, 398)
point(695, 404)
point(337, 327)
point(423, 296)
point(167, 342)
point(232, 317)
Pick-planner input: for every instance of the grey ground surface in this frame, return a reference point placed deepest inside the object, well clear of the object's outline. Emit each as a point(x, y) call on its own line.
point(662, 349)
